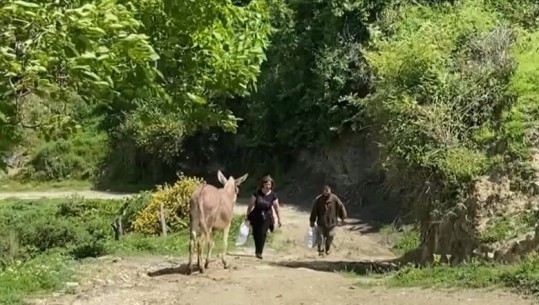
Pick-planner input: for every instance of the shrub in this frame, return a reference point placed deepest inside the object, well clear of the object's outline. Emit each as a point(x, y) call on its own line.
point(76, 157)
point(175, 201)
point(75, 226)
point(132, 206)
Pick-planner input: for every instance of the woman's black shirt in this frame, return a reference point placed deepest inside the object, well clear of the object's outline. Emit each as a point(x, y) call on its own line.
point(262, 210)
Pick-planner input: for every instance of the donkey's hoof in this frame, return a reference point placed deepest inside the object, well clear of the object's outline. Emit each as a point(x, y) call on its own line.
point(206, 265)
point(189, 270)
point(226, 265)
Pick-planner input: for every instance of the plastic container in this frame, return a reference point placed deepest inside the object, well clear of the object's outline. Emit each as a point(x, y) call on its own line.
point(310, 237)
point(243, 234)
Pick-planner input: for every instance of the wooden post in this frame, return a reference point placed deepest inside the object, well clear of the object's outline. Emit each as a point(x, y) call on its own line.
point(117, 224)
point(117, 227)
point(162, 217)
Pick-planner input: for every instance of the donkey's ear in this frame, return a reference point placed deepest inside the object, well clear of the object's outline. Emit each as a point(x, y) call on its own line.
point(241, 179)
point(221, 177)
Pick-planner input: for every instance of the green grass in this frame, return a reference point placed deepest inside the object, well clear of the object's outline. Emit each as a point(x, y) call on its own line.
point(405, 240)
point(500, 229)
point(522, 277)
point(45, 272)
point(472, 276)
point(172, 244)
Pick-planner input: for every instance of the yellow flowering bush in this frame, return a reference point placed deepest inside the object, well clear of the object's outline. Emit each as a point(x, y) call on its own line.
point(175, 200)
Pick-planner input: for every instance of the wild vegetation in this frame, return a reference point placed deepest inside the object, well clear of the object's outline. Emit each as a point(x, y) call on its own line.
point(42, 241)
point(124, 93)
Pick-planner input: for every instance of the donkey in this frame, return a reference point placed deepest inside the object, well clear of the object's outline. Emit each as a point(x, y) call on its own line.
point(211, 209)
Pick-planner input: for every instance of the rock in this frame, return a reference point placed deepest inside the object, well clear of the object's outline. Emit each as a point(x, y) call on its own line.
point(72, 284)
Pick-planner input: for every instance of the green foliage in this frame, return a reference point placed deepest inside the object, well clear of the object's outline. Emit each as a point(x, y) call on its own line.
point(500, 229)
point(132, 206)
point(45, 272)
point(524, 276)
point(519, 124)
point(48, 49)
point(472, 276)
point(314, 61)
point(521, 12)
point(76, 226)
point(445, 97)
point(407, 241)
point(76, 158)
point(208, 51)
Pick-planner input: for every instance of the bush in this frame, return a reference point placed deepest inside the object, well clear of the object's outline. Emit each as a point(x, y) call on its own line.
point(76, 158)
point(455, 100)
point(175, 201)
point(132, 207)
point(74, 226)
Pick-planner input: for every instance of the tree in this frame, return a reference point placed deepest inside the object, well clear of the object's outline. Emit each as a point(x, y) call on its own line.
point(209, 50)
point(49, 49)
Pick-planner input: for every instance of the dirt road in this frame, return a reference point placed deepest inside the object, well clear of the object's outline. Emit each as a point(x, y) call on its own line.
point(289, 274)
point(61, 194)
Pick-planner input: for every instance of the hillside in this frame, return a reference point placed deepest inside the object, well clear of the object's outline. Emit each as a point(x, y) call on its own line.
point(422, 115)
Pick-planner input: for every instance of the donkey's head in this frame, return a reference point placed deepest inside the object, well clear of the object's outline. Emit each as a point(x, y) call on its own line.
point(231, 185)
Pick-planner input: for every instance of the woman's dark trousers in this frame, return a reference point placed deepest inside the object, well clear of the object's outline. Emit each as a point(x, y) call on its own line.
point(260, 232)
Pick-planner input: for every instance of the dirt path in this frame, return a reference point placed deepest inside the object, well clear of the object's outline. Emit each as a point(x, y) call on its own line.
point(289, 274)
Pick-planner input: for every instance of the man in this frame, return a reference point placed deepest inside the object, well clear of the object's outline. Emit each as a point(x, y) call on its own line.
point(326, 208)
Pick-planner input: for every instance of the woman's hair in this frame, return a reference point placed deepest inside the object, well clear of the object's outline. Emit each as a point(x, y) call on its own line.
point(266, 179)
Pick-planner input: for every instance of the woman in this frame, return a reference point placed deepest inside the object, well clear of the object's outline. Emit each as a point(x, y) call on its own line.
point(260, 213)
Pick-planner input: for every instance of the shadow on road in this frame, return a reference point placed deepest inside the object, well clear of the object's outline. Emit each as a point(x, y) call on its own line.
point(182, 269)
point(361, 267)
point(362, 226)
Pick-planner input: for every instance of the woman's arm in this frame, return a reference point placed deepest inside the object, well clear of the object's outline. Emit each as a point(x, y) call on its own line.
point(250, 206)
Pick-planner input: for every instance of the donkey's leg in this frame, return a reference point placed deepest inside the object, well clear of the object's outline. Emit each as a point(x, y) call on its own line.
point(192, 244)
point(201, 243)
point(211, 243)
point(225, 245)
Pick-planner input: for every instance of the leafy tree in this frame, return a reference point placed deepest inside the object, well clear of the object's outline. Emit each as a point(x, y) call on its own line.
point(50, 48)
point(209, 51)
point(454, 98)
